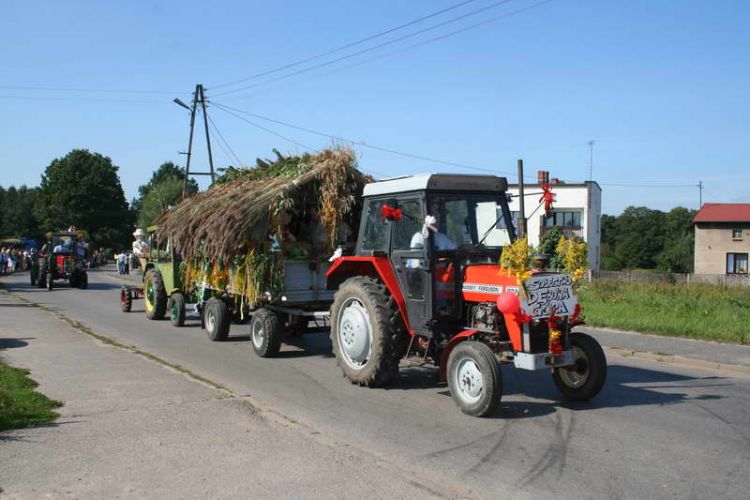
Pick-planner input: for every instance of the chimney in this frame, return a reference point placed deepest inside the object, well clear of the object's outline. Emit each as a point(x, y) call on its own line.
point(542, 177)
point(555, 181)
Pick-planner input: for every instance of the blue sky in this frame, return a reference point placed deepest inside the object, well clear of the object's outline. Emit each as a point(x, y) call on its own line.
point(661, 86)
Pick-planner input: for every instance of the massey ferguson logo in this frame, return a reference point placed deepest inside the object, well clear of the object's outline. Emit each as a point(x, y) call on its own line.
point(477, 288)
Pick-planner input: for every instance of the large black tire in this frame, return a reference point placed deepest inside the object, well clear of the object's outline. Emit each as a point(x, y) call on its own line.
point(126, 299)
point(84, 281)
point(474, 378)
point(586, 377)
point(265, 333)
point(154, 295)
point(177, 309)
point(75, 280)
point(216, 318)
point(367, 331)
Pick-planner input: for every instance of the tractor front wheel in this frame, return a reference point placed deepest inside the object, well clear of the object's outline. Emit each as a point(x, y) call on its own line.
point(474, 378)
point(585, 378)
point(216, 319)
point(154, 295)
point(265, 333)
point(367, 331)
point(177, 309)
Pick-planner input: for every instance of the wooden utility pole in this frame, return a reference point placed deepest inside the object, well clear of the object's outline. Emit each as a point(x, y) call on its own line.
point(199, 97)
point(521, 206)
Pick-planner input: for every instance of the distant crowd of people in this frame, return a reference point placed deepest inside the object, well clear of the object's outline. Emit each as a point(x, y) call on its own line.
point(13, 259)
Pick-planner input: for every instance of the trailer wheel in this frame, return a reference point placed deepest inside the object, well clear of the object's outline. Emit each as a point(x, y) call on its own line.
point(367, 331)
point(216, 318)
point(474, 378)
point(586, 377)
point(177, 309)
point(126, 299)
point(265, 333)
point(154, 295)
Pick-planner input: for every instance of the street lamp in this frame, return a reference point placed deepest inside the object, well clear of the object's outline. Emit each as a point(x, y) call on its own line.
point(177, 101)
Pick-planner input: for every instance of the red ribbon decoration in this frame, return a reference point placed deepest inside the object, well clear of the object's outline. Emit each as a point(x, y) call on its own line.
point(553, 320)
point(388, 212)
point(577, 318)
point(521, 317)
point(548, 197)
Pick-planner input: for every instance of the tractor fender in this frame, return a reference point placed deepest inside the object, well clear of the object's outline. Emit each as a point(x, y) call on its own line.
point(378, 268)
point(452, 343)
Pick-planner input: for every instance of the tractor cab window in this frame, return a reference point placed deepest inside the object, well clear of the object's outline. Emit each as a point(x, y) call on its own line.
point(468, 220)
point(374, 231)
point(62, 244)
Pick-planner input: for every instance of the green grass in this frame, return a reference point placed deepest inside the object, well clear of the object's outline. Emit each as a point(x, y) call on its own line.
point(20, 405)
point(701, 311)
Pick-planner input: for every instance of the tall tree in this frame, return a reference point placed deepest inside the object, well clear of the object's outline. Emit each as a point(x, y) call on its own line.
point(640, 237)
point(164, 172)
point(159, 197)
point(679, 238)
point(17, 212)
point(83, 189)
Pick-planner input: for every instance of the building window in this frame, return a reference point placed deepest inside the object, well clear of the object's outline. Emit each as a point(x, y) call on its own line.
point(563, 218)
point(736, 234)
point(736, 263)
point(501, 223)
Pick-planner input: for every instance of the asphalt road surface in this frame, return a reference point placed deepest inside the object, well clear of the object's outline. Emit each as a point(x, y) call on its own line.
point(655, 431)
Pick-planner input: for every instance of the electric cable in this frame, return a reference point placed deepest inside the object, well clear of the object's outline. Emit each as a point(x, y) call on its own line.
point(71, 89)
point(343, 47)
point(359, 143)
point(370, 49)
point(239, 162)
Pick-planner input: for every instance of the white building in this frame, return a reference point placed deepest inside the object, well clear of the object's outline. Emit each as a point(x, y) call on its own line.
point(577, 210)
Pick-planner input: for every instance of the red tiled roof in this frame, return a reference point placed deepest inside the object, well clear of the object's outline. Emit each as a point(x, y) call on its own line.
point(723, 212)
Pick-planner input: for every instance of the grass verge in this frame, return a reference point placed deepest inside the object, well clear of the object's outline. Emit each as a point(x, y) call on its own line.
point(706, 312)
point(20, 405)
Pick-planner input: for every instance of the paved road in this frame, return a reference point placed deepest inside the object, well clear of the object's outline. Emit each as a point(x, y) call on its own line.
point(656, 431)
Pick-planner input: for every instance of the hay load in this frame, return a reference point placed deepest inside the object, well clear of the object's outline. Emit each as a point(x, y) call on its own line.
point(235, 236)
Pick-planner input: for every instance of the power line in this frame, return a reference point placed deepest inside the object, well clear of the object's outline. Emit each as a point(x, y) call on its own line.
point(72, 89)
point(343, 47)
point(370, 49)
point(77, 99)
point(261, 127)
point(360, 143)
point(221, 136)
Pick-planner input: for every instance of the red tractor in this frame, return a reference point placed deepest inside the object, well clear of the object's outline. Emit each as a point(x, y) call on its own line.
point(424, 280)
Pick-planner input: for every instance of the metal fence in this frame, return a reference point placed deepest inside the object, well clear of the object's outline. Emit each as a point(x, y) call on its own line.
point(675, 278)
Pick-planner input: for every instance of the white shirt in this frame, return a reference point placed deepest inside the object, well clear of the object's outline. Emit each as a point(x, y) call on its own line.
point(442, 242)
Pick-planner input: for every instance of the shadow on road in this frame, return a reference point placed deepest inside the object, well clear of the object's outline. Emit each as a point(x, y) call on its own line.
point(14, 343)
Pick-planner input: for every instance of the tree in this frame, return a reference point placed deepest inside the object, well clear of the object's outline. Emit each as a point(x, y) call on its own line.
point(17, 212)
point(159, 198)
point(679, 238)
point(83, 189)
point(165, 171)
point(639, 237)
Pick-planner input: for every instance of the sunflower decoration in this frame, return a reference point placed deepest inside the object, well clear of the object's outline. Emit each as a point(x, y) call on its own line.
point(574, 257)
point(514, 261)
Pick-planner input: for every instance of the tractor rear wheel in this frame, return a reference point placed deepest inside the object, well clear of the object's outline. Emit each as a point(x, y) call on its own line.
point(177, 309)
point(265, 333)
point(154, 295)
point(586, 377)
point(474, 378)
point(126, 299)
point(367, 331)
point(216, 319)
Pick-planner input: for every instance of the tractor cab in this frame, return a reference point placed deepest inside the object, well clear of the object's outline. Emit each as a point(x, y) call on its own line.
point(428, 226)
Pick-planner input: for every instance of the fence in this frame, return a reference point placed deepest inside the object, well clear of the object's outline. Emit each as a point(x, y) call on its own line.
point(676, 278)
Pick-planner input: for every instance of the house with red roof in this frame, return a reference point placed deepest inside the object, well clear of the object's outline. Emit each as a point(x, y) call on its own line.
point(722, 238)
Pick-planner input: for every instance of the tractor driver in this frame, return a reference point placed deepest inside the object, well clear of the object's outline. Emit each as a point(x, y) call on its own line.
point(432, 223)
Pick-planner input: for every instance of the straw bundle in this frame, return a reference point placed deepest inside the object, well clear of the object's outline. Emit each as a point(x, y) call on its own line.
point(246, 206)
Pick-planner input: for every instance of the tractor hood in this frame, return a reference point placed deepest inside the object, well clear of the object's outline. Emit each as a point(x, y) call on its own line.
point(546, 292)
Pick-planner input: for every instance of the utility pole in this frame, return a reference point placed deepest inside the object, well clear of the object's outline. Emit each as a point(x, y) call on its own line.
point(591, 160)
point(522, 219)
point(700, 195)
point(199, 97)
